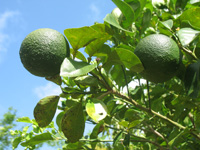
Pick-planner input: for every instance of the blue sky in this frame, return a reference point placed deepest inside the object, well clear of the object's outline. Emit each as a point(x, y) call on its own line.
point(19, 88)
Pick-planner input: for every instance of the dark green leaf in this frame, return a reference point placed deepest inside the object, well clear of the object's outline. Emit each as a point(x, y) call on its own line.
point(126, 141)
point(192, 79)
point(96, 130)
point(117, 138)
point(45, 110)
point(146, 19)
point(73, 123)
point(37, 139)
point(86, 81)
point(72, 68)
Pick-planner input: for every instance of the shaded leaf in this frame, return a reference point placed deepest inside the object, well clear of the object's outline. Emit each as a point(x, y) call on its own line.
point(37, 139)
point(45, 110)
point(117, 138)
point(87, 81)
point(73, 123)
point(146, 19)
point(72, 68)
point(59, 119)
point(191, 80)
point(96, 109)
point(187, 35)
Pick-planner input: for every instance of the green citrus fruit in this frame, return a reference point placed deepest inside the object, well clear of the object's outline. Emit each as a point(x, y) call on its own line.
point(160, 57)
point(43, 51)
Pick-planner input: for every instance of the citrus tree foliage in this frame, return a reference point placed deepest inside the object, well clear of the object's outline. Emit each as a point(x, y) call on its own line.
point(97, 85)
point(7, 123)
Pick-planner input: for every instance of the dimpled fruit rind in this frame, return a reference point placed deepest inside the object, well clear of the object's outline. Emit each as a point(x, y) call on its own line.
point(43, 51)
point(160, 56)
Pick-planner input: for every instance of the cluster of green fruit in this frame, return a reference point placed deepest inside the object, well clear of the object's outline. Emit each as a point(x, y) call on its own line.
point(43, 51)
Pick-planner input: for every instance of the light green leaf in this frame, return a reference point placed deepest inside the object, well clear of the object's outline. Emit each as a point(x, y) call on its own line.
point(24, 119)
point(44, 137)
point(127, 58)
point(127, 11)
point(78, 37)
point(59, 119)
point(111, 20)
point(187, 35)
point(87, 81)
point(96, 109)
point(168, 24)
point(72, 68)
point(192, 17)
point(45, 110)
point(16, 142)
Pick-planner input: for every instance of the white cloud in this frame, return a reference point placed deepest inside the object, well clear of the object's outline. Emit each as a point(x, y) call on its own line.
point(5, 38)
point(95, 15)
point(47, 90)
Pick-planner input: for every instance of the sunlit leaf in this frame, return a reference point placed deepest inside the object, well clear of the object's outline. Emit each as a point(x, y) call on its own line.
point(78, 37)
point(187, 35)
point(24, 119)
point(192, 17)
point(168, 23)
point(96, 109)
point(111, 20)
point(127, 11)
point(72, 68)
point(127, 58)
point(37, 139)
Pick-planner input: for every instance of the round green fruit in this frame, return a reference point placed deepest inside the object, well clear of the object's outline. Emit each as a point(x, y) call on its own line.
point(160, 56)
point(43, 51)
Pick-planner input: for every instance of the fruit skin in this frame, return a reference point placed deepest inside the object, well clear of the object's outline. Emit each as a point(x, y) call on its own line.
point(160, 57)
point(42, 52)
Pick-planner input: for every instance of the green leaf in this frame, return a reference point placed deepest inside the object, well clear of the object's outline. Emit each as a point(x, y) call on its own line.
point(37, 139)
point(187, 35)
point(96, 130)
point(105, 33)
point(146, 19)
point(87, 81)
point(127, 58)
point(191, 81)
point(72, 68)
point(16, 142)
point(59, 119)
point(127, 11)
point(78, 37)
point(168, 23)
point(192, 17)
point(24, 119)
point(96, 109)
point(45, 110)
point(73, 123)
point(117, 138)
point(79, 55)
point(179, 138)
point(111, 20)
point(126, 141)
